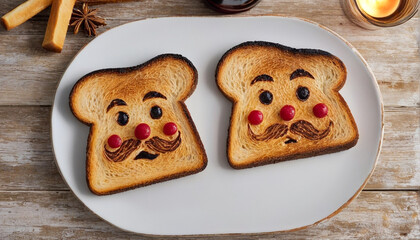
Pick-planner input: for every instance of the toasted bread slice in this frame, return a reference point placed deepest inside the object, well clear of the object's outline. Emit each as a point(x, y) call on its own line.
point(265, 77)
point(116, 102)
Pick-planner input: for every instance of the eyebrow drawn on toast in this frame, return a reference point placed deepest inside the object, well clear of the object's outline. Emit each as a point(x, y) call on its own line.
point(153, 94)
point(261, 78)
point(300, 73)
point(116, 102)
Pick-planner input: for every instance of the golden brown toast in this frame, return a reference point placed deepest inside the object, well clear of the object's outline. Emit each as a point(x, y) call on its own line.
point(115, 102)
point(270, 78)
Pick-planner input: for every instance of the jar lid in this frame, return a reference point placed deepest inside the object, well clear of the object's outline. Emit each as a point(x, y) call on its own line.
point(232, 6)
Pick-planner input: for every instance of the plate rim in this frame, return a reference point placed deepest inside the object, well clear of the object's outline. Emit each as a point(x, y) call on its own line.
point(316, 24)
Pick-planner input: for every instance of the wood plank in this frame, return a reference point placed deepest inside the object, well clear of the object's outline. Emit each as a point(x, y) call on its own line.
point(60, 215)
point(29, 73)
point(393, 54)
point(26, 159)
point(115, 11)
point(399, 161)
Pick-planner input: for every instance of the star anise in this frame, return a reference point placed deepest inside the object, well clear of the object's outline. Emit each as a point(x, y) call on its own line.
point(86, 17)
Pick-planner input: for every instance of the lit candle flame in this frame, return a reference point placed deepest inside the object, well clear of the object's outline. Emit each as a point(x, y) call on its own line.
point(379, 8)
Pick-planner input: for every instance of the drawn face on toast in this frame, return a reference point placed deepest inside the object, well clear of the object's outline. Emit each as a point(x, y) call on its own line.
point(286, 103)
point(141, 131)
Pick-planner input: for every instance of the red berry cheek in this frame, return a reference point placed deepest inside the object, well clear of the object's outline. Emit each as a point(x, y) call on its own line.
point(255, 117)
point(114, 141)
point(320, 110)
point(170, 128)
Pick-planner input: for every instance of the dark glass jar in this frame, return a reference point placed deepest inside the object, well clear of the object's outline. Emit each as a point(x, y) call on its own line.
point(232, 6)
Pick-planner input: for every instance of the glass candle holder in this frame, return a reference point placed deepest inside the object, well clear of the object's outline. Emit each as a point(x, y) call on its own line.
point(374, 14)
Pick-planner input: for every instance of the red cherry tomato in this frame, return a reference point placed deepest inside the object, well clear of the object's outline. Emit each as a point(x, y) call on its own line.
point(320, 110)
point(255, 117)
point(287, 112)
point(170, 128)
point(142, 131)
point(114, 141)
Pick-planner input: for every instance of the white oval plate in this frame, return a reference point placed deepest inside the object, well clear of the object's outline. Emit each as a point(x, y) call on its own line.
point(276, 197)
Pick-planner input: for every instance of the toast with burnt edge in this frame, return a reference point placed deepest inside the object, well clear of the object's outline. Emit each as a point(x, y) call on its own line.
point(140, 129)
point(286, 103)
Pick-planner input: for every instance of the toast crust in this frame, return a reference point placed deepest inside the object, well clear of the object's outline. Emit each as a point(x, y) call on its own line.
point(263, 159)
point(180, 103)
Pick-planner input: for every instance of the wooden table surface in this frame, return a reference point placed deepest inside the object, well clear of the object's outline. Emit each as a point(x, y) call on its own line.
point(36, 203)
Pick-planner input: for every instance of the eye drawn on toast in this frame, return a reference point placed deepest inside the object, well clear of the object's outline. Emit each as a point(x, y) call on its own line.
point(140, 129)
point(286, 103)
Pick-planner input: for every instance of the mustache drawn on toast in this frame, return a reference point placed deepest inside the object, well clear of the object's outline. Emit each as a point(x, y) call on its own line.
point(155, 144)
point(307, 130)
point(274, 131)
point(301, 127)
point(162, 146)
point(126, 148)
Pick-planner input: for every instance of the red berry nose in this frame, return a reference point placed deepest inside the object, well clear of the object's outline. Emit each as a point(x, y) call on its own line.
point(142, 131)
point(255, 117)
point(320, 110)
point(287, 112)
point(114, 141)
point(170, 128)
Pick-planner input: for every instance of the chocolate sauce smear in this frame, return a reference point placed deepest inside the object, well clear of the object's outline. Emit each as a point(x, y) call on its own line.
point(116, 102)
point(300, 73)
point(307, 130)
point(301, 127)
point(126, 148)
point(290, 140)
point(162, 146)
point(146, 155)
point(272, 132)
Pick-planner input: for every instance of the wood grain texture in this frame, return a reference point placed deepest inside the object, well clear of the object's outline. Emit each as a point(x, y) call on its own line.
point(26, 158)
point(52, 215)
